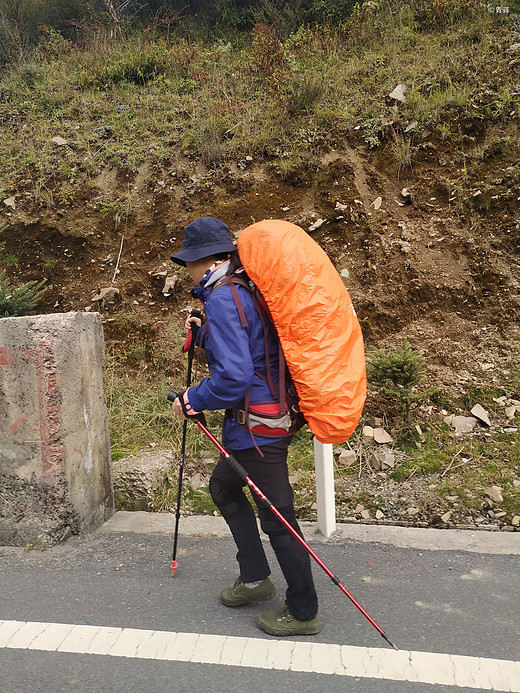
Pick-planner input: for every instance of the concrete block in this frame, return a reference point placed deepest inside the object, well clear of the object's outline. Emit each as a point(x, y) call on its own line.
point(55, 467)
point(138, 478)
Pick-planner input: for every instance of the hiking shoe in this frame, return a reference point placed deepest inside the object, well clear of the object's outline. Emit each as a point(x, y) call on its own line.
point(239, 594)
point(282, 622)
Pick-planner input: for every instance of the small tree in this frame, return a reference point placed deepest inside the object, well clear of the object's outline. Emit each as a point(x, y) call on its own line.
point(396, 374)
point(18, 300)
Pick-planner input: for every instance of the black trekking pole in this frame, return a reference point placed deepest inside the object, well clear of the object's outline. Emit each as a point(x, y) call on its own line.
point(237, 467)
point(189, 346)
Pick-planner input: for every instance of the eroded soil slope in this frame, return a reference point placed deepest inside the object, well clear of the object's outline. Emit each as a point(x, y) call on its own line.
point(429, 252)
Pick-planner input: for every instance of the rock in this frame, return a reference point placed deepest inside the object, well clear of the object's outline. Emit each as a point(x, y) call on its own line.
point(376, 204)
point(169, 285)
point(138, 478)
point(481, 414)
point(196, 481)
point(365, 514)
point(406, 193)
point(446, 517)
point(461, 424)
point(109, 294)
point(285, 209)
point(516, 521)
point(345, 273)
point(375, 462)
point(337, 451)
point(511, 411)
point(10, 202)
point(317, 224)
point(500, 514)
point(494, 493)
point(359, 508)
point(368, 433)
point(382, 459)
point(411, 126)
point(398, 93)
point(340, 207)
point(59, 141)
point(413, 511)
point(516, 483)
point(379, 515)
point(347, 457)
point(381, 437)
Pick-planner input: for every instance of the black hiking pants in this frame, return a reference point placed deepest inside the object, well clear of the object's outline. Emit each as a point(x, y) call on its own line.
point(270, 474)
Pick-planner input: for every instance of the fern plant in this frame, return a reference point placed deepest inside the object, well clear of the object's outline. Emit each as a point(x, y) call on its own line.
point(19, 300)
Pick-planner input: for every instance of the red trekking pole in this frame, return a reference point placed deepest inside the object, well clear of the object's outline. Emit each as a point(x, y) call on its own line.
point(237, 467)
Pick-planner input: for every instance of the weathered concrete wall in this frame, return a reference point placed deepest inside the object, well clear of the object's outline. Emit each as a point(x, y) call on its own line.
point(55, 470)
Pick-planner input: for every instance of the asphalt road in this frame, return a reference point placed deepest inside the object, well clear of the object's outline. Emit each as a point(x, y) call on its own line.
point(428, 600)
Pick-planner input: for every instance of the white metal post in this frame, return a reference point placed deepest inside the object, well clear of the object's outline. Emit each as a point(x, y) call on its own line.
point(324, 466)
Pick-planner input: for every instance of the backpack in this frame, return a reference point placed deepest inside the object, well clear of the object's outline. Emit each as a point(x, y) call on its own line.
point(315, 321)
point(280, 416)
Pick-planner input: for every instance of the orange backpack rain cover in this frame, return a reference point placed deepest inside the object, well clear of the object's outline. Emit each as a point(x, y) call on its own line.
point(316, 323)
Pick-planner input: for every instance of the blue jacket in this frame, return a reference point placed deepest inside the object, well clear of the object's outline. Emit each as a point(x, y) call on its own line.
point(235, 356)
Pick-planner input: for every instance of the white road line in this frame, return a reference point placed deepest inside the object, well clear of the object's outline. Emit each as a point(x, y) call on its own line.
point(320, 658)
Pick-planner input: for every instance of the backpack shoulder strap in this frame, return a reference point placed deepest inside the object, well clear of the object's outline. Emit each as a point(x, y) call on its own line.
point(232, 281)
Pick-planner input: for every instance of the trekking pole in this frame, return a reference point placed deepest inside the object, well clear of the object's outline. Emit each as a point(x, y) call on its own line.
point(189, 346)
point(237, 467)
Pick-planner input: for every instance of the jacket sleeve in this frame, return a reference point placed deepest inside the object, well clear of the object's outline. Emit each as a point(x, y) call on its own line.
point(229, 357)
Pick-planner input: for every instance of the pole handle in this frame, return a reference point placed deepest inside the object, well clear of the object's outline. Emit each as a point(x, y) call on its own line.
point(172, 396)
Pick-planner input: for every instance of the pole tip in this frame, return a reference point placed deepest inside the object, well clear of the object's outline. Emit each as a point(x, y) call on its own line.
point(384, 635)
point(173, 566)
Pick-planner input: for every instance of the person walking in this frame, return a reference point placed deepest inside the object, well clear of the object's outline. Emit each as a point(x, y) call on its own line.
point(243, 360)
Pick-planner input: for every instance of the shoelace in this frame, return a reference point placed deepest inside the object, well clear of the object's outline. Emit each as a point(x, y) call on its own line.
point(285, 615)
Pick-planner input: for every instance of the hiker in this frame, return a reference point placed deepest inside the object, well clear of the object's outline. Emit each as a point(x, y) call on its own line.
point(243, 357)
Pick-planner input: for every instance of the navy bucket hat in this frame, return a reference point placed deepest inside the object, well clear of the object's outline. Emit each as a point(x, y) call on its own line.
point(202, 238)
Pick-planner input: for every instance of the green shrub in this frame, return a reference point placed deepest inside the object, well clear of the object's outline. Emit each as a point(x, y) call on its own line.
point(334, 12)
point(9, 41)
point(134, 64)
point(396, 374)
point(18, 300)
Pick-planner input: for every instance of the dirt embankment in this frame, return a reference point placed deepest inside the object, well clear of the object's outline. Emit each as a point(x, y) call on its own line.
point(431, 255)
